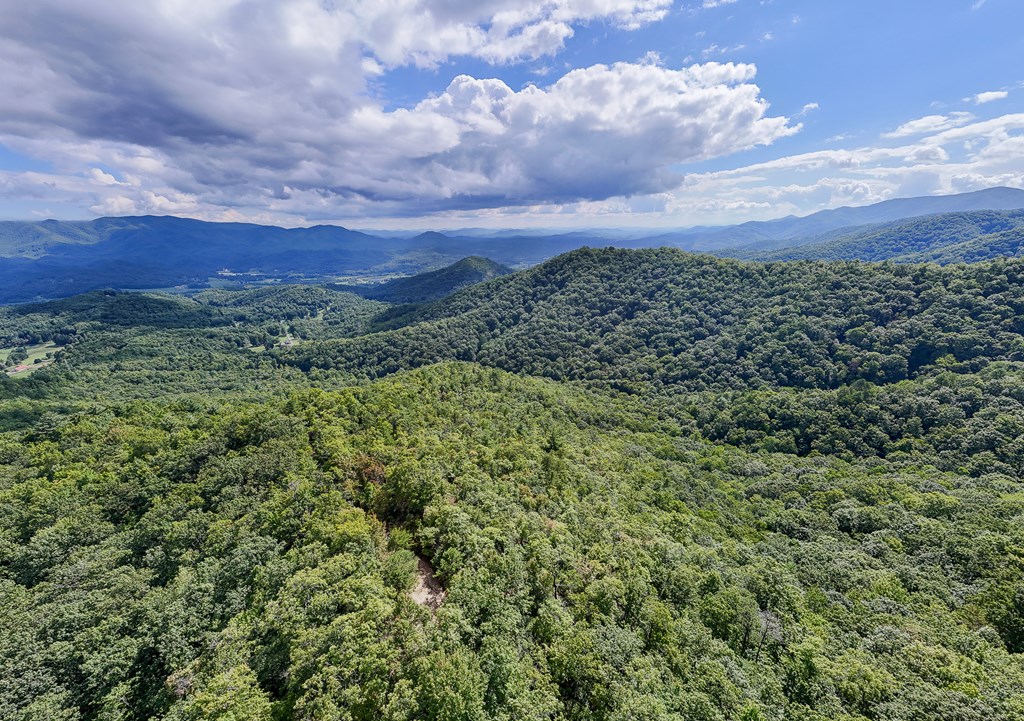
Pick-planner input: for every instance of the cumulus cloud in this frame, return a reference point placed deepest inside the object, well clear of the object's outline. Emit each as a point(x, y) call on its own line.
point(976, 155)
point(237, 105)
point(269, 111)
point(103, 178)
point(934, 163)
point(600, 131)
point(991, 95)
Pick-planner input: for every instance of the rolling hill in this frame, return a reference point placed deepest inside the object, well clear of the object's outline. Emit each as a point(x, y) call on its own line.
point(432, 285)
point(672, 319)
point(949, 237)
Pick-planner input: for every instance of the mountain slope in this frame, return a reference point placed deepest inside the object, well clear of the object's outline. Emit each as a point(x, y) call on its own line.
point(148, 252)
point(1003, 244)
point(20, 239)
point(772, 231)
point(55, 259)
point(673, 319)
point(914, 240)
point(807, 505)
point(52, 260)
point(123, 345)
point(433, 285)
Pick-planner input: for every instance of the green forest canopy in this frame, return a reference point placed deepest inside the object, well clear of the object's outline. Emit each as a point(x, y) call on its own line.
point(652, 485)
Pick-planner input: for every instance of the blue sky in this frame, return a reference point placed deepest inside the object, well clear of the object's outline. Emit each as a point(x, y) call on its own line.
point(552, 113)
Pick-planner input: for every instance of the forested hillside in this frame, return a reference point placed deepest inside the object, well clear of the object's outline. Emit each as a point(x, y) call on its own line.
point(1002, 244)
point(202, 562)
point(946, 238)
point(619, 485)
point(793, 231)
point(682, 321)
point(432, 285)
point(117, 346)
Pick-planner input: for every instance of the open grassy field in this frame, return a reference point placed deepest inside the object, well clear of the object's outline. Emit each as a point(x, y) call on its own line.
point(29, 365)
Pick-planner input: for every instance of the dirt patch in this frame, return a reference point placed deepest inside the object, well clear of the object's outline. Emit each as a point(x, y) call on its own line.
point(428, 591)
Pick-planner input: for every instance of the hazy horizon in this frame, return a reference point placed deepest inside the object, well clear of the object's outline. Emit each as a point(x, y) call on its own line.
point(397, 229)
point(565, 114)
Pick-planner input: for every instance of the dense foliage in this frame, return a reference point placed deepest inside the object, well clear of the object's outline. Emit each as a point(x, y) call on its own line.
point(599, 563)
point(945, 238)
point(672, 319)
point(119, 346)
point(432, 285)
point(743, 492)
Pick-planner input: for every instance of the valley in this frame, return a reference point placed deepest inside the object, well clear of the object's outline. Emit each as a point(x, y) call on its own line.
point(51, 259)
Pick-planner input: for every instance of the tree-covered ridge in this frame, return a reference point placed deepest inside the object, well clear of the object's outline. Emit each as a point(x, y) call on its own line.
point(325, 312)
point(786, 491)
point(945, 238)
point(1002, 244)
point(189, 561)
point(33, 240)
point(683, 321)
point(969, 423)
point(433, 285)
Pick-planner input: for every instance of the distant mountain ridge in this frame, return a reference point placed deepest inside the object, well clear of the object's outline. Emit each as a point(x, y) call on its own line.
point(932, 238)
point(822, 222)
point(779, 229)
point(52, 259)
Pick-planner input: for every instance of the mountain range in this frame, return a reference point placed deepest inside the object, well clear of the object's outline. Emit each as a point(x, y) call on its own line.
point(51, 259)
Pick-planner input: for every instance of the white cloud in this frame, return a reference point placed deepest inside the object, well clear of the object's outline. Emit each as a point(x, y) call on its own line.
point(935, 163)
point(990, 96)
point(102, 178)
point(261, 110)
point(192, 107)
point(598, 131)
point(930, 124)
point(321, 151)
point(927, 154)
point(715, 49)
point(371, 67)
